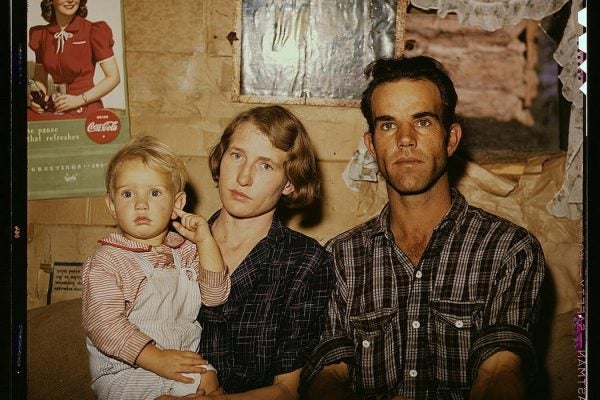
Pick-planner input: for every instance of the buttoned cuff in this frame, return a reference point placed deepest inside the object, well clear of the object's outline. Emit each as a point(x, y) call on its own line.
point(133, 347)
point(503, 338)
point(329, 351)
point(214, 287)
point(212, 278)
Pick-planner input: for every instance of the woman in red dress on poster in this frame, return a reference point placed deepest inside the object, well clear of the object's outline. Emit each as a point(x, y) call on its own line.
point(68, 49)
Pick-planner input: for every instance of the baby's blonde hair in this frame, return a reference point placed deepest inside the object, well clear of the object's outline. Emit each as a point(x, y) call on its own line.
point(153, 153)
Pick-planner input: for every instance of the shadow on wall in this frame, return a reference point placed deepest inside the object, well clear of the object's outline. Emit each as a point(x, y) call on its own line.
point(540, 388)
point(489, 140)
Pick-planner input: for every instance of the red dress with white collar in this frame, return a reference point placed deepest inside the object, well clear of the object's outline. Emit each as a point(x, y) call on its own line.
point(70, 57)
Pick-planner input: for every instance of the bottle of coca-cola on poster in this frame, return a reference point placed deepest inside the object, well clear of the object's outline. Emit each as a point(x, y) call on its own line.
point(38, 96)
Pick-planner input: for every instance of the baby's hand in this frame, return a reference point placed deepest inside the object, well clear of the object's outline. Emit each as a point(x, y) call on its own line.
point(191, 226)
point(173, 364)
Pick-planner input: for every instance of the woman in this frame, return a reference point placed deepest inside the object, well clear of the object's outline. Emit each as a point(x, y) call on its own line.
point(280, 279)
point(67, 49)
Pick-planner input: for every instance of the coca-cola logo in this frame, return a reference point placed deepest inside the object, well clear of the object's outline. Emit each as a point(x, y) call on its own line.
point(109, 126)
point(102, 126)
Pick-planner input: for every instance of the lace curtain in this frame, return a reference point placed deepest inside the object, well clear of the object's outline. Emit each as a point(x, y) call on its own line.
point(494, 14)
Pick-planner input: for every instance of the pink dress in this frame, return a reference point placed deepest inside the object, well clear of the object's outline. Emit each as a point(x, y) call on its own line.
point(71, 57)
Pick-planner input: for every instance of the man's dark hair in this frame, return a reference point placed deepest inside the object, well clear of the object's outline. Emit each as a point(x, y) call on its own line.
point(386, 70)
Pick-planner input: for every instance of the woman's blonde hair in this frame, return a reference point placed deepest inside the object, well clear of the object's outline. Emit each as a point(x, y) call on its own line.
point(285, 132)
point(153, 153)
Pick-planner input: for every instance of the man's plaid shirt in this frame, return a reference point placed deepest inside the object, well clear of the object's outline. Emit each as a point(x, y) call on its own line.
point(423, 331)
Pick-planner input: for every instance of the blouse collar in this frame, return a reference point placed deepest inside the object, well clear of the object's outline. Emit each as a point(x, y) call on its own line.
point(172, 240)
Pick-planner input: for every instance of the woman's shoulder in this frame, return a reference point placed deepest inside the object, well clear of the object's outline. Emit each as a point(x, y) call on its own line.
point(36, 32)
point(307, 260)
point(100, 27)
point(299, 239)
point(302, 250)
point(38, 28)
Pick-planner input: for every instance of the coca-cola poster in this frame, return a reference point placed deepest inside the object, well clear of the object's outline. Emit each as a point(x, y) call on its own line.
point(77, 111)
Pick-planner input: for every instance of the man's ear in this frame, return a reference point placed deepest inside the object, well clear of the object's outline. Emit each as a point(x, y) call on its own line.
point(110, 205)
point(288, 188)
point(180, 198)
point(454, 137)
point(368, 139)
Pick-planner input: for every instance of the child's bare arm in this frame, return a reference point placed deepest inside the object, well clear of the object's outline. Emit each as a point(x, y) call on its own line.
point(195, 228)
point(170, 364)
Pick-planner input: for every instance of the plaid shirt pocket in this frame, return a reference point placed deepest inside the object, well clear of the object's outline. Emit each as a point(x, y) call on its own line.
point(378, 348)
point(452, 328)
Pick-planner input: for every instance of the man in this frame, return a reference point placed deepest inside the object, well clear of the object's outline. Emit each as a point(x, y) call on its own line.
point(434, 298)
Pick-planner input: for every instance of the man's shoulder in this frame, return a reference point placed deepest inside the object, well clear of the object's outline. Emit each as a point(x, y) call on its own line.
point(498, 225)
point(357, 234)
point(484, 216)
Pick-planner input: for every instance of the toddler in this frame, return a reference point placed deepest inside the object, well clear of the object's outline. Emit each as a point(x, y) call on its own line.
point(142, 289)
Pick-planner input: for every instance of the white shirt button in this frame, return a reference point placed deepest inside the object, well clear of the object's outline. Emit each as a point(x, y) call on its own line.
point(412, 373)
point(416, 324)
point(366, 344)
point(459, 324)
point(419, 274)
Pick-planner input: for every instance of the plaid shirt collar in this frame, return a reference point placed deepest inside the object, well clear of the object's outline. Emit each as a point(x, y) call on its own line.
point(252, 270)
point(172, 240)
point(458, 210)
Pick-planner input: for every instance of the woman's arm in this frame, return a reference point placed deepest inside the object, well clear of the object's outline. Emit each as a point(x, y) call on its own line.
point(111, 79)
point(209, 382)
point(284, 387)
point(41, 76)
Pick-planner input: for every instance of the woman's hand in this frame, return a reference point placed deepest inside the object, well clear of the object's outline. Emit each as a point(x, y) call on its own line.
point(68, 102)
point(34, 105)
point(199, 395)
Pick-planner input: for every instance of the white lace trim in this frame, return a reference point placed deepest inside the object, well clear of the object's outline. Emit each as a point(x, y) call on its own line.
point(492, 14)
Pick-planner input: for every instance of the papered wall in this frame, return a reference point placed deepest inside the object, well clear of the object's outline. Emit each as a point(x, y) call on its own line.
point(179, 66)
